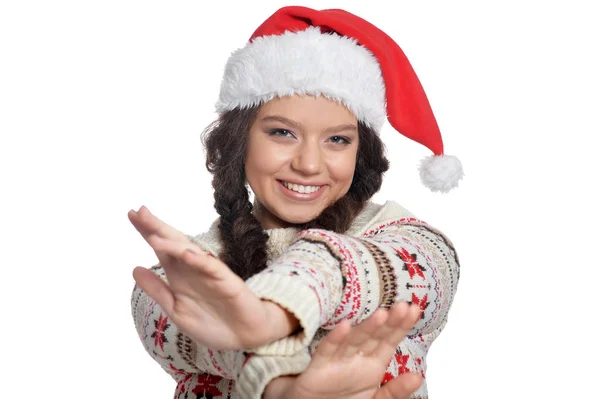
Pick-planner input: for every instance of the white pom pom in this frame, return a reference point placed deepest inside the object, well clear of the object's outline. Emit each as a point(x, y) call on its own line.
point(441, 172)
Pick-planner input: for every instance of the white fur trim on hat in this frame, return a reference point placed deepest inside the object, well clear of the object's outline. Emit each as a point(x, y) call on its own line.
point(306, 62)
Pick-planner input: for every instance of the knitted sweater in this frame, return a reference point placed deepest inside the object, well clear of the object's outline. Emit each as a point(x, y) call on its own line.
point(321, 277)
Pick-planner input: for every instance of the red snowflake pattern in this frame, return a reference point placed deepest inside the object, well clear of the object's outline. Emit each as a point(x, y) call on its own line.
point(181, 383)
point(410, 263)
point(160, 326)
point(402, 360)
point(207, 386)
point(422, 302)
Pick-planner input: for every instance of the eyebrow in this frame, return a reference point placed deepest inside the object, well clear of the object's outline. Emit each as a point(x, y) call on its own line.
point(341, 128)
point(296, 125)
point(285, 121)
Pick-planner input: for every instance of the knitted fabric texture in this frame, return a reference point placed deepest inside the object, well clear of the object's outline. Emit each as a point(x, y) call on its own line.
point(322, 278)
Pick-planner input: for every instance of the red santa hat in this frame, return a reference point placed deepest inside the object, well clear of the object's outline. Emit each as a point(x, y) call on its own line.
point(341, 56)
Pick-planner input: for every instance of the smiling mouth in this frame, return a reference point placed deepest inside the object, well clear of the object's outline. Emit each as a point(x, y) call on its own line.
point(300, 188)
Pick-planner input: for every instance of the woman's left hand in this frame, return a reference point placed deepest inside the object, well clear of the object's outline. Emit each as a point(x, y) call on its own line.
point(203, 297)
point(350, 362)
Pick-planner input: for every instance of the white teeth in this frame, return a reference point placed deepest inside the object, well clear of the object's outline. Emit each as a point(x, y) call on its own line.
point(301, 189)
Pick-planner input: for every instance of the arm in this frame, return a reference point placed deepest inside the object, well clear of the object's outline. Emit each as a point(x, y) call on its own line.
point(174, 350)
point(325, 278)
point(202, 295)
point(161, 312)
point(193, 366)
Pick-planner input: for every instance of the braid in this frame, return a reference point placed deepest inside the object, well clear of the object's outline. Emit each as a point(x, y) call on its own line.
point(244, 241)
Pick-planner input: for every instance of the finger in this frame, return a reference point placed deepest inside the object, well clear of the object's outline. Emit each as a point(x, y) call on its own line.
point(187, 254)
point(165, 230)
point(401, 320)
point(392, 327)
point(332, 342)
point(414, 315)
point(361, 337)
point(143, 228)
point(204, 262)
point(150, 224)
point(172, 247)
point(155, 287)
point(400, 388)
point(134, 218)
point(186, 266)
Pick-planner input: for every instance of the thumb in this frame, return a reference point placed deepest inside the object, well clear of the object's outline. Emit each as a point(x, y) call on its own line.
point(155, 288)
point(400, 388)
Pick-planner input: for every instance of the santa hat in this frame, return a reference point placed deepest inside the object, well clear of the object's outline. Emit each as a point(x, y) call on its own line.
point(341, 56)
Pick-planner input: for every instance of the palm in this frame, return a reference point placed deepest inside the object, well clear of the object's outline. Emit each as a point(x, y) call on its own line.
point(214, 308)
point(203, 297)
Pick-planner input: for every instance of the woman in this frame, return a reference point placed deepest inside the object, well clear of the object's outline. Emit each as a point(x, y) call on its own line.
point(250, 300)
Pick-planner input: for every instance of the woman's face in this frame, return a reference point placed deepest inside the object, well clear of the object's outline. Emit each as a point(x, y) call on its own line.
point(300, 158)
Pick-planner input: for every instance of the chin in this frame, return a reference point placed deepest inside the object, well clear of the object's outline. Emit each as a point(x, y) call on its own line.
point(297, 220)
point(300, 217)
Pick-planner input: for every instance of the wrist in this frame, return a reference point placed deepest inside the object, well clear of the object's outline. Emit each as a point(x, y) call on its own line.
point(282, 322)
point(280, 387)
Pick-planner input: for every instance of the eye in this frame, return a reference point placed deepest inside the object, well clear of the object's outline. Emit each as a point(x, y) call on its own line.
point(280, 133)
point(339, 140)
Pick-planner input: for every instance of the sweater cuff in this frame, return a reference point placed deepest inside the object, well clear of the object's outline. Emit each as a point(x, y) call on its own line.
point(258, 372)
point(298, 299)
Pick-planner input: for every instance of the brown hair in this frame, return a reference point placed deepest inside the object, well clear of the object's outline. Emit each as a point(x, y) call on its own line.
point(244, 241)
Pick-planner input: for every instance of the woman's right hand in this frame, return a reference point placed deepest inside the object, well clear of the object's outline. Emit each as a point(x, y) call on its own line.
point(203, 297)
point(350, 362)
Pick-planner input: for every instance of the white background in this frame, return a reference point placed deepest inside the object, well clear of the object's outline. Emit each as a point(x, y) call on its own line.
point(101, 109)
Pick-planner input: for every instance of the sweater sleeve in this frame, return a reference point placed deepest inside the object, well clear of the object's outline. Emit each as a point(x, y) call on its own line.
point(324, 278)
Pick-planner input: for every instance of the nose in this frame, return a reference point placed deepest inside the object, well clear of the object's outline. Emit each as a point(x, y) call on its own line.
point(308, 160)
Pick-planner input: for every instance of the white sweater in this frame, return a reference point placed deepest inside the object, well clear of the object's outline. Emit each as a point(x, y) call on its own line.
point(321, 277)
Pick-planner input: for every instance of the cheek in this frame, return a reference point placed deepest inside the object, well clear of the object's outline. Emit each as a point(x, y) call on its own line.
point(342, 169)
point(260, 167)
